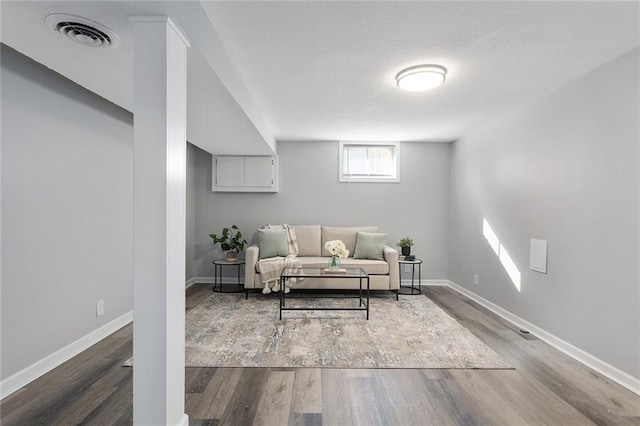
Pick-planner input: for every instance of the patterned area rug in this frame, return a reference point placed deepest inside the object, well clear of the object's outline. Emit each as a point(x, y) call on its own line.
point(226, 330)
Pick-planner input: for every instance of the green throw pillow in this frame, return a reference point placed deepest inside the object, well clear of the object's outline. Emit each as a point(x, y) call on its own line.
point(370, 245)
point(272, 243)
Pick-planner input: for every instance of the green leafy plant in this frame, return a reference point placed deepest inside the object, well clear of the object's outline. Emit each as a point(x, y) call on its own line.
point(230, 240)
point(405, 242)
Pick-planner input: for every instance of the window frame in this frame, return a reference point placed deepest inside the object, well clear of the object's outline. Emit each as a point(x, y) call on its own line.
point(375, 179)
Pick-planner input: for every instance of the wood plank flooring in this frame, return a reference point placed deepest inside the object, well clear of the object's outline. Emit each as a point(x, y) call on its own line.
point(546, 387)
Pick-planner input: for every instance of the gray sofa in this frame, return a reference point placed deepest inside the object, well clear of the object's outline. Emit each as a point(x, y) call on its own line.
point(384, 274)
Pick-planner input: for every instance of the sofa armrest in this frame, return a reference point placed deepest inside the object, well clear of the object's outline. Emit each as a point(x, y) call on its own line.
point(250, 260)
point(391, 256)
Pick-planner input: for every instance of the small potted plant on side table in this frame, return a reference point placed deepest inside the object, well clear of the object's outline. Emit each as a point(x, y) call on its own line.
point(230, 241)
point(405, 244)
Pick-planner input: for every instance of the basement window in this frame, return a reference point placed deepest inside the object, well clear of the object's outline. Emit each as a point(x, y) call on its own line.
point(369, 162)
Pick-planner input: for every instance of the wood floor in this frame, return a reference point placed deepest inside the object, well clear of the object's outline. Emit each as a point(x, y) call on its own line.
point(546, 387)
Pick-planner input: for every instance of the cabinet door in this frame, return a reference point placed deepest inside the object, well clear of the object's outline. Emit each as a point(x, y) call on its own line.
point(230, 171)
point(258, 171)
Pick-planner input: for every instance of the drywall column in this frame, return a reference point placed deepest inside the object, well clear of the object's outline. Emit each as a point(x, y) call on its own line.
point(159, 215)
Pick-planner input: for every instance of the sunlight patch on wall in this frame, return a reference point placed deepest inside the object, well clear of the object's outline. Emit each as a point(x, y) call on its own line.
point(507, 262)
point(510, 266)
point(491, 237)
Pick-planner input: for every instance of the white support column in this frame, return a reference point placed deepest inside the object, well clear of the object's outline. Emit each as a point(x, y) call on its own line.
point(160, 90)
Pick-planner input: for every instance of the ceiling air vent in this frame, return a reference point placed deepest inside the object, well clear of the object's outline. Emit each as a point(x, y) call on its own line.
point(82, 30)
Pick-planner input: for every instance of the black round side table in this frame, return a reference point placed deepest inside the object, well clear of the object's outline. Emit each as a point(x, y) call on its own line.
point(218, 287)
point(413, 289)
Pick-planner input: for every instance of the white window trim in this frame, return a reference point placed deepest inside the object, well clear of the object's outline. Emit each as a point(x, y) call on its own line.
point(345, 178)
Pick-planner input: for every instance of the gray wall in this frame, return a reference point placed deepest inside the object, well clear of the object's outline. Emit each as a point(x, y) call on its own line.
point(310, 193)
point(192, 173)
point(564, 169)
point(67, 173)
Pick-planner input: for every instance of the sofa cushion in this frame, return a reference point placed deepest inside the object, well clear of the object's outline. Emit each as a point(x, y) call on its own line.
point(292, 242)
point(272, 243)
point(345, 234)
point(370, 245)
point(309, 240)
point(371, 267)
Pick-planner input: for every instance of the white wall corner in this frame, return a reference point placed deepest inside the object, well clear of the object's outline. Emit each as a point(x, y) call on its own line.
point(38, 368)
point(602, 367)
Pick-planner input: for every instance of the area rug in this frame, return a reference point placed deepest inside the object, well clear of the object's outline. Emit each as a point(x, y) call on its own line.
point(226, 330)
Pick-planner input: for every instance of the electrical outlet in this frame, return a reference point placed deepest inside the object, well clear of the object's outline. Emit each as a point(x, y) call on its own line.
point(476, 280)
point(99, 308)
point(407, 268)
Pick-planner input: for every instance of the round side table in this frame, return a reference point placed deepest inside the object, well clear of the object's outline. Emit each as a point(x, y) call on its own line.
point(413, 289)
point(218, 287)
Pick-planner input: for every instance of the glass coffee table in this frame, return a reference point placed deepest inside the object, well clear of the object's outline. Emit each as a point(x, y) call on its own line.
point(348, 274)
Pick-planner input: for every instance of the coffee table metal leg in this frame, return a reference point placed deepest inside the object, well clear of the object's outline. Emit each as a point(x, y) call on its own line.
point(368, 286)
point(281, 296)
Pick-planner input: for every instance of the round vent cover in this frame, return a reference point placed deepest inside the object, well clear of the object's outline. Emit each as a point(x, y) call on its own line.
point(82, 30)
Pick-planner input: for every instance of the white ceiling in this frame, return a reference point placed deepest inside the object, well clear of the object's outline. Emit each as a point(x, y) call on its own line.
point(223, 118)
point(325, 70)
point(107, 72)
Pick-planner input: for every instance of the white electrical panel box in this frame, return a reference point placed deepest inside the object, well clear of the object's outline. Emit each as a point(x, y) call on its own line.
point(245, 174)
point(538, 256)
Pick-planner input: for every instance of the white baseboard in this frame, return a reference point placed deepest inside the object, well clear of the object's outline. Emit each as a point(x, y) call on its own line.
point(184, 420)
point(37, 369)
point(210, 280)
point(407, 283)
point(231, 280)
point(27, 375)
point(199, 280)
point(602, 367)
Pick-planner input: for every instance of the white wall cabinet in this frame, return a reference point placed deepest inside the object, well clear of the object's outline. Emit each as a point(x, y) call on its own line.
point(245, 174)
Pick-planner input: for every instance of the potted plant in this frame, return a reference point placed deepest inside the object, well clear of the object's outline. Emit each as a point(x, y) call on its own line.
point(230, 241)
point(405, 244)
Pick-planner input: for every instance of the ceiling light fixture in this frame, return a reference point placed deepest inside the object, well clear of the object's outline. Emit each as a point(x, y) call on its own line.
point(421, 77)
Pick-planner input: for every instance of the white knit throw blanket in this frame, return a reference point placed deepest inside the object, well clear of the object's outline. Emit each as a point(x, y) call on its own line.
point(271, 268)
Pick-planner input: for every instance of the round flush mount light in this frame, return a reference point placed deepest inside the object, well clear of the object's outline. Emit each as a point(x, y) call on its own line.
point(82, 30)
point(421, 77)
